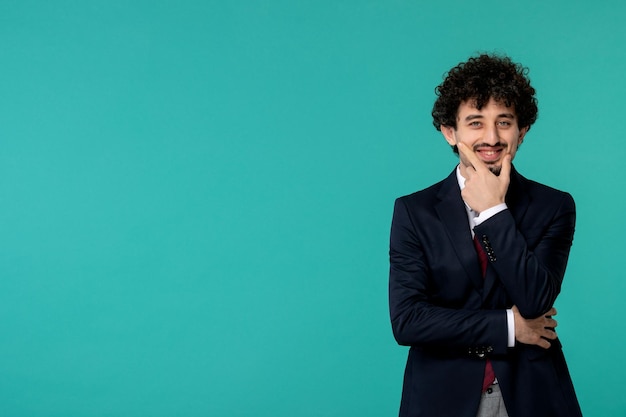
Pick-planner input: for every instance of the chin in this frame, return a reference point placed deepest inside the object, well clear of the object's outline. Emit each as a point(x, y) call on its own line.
point(495, 169)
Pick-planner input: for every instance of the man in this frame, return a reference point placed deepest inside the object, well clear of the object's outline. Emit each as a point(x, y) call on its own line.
point(477, 261)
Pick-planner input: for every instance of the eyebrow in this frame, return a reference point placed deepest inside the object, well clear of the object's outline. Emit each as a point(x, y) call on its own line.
point(480, 116)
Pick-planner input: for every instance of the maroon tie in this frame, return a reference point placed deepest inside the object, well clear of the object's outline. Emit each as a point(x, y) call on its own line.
point(490, 376)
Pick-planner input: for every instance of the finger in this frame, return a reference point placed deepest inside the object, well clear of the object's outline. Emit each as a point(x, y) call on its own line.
point(544, 344)
point(505, 172)
point(551, 312)
point(549, 334)
point(470, 156)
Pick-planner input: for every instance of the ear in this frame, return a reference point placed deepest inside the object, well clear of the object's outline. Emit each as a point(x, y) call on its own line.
point(522, 133)
point(448, 134)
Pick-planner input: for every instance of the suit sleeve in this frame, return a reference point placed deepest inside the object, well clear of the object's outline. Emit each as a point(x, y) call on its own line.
point(416, 320)
point(532, 266)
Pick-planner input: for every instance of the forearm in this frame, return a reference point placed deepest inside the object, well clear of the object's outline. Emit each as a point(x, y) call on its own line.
point(426, 325)
point(420, 317)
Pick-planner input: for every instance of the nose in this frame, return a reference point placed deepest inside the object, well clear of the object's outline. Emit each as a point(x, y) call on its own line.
point(491, 136)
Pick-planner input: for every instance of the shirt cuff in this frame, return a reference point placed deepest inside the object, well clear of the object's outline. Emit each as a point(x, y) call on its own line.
point(510, 322)
point(490, 212)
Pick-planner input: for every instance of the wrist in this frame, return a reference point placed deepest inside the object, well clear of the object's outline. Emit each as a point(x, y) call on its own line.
point(489, 213)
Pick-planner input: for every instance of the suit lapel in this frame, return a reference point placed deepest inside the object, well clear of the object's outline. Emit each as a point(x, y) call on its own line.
point(517, 197)
point(451, 212)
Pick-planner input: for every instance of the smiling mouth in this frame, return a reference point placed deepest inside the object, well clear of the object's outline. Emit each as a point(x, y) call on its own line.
point(489, 154)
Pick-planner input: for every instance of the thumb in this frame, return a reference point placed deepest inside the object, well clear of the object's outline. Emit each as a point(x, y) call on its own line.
point(506, 167)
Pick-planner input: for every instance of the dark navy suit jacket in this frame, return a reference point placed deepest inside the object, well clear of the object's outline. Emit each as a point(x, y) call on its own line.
point(443, 308)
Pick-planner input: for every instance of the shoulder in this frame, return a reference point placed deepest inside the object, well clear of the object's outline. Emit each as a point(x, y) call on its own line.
point(413, 208)
point(541, 197)
point(430, 195)
point(422, 196)
point(542, 192)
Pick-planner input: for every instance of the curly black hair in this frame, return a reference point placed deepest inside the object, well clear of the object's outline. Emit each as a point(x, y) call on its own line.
point(480, 79)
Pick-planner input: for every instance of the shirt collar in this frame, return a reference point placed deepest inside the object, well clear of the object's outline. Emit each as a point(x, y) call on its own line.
point(459, 177)
point(461, 180)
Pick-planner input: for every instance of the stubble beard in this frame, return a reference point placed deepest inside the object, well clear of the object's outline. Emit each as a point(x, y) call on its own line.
point(495, 169)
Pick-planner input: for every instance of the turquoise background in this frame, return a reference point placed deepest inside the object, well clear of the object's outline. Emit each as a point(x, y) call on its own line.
point(196, 196)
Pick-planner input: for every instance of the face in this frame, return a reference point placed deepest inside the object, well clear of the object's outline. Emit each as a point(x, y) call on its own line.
point(491, 132)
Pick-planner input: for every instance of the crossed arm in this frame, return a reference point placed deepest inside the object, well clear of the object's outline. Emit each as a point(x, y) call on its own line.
point(418, 319)
point(531, 278)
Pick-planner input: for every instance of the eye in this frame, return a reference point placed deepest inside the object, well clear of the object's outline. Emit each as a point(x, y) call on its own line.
point(474, 124)
point(504, 123)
